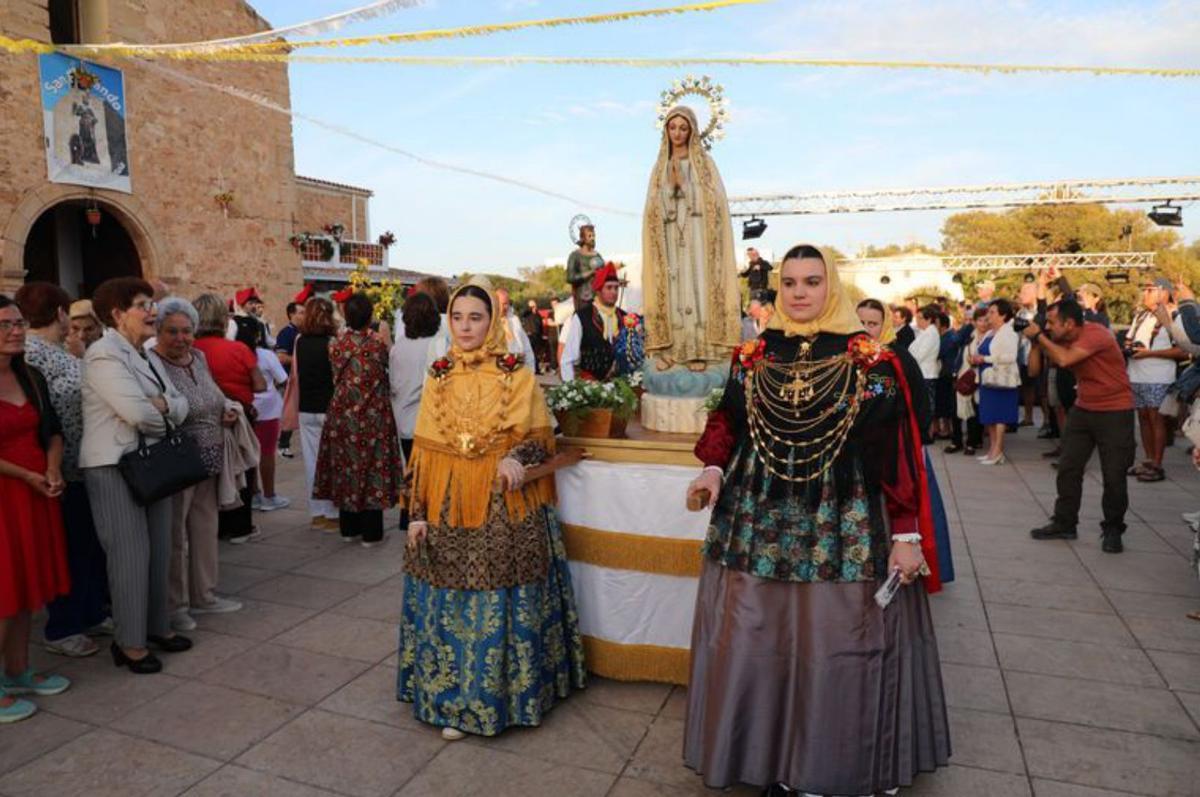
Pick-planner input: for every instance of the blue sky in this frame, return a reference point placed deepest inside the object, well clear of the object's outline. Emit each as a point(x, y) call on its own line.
point(589, 131)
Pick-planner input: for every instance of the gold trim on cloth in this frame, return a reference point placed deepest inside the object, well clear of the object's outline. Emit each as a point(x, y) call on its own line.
point(636, 662)
point(618, 551)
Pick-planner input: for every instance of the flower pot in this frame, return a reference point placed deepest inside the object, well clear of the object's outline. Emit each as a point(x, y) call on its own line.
point(585, 423)
point(616, 429)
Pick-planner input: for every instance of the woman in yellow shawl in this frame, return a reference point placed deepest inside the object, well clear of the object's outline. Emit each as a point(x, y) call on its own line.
point(489, 635)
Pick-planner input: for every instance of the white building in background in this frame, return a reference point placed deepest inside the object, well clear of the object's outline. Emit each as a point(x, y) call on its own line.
point(894, 279)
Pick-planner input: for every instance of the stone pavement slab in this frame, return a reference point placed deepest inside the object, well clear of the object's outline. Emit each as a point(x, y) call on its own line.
point(1069, 673)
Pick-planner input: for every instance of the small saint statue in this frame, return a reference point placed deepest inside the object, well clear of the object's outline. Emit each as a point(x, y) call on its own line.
point(582, 265)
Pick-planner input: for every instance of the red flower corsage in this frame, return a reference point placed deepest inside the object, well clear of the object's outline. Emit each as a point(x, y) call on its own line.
point(751, 352)
point(632, 320)
point(440, 367)
point(509, 362)
point(865, 350)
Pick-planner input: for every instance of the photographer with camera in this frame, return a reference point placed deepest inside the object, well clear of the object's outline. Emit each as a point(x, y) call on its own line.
point(1153, 358)
point(1101, 418)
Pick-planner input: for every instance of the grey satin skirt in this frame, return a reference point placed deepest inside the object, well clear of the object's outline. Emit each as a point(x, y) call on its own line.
point(813, 686)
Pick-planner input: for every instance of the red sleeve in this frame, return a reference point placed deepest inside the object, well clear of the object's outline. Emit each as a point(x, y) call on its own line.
point(903, 498)
point(716, 441)
point(907, 496)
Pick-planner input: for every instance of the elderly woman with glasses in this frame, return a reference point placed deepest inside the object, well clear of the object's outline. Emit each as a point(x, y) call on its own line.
point(194, 511)
point(125, 395)
point(235, 370)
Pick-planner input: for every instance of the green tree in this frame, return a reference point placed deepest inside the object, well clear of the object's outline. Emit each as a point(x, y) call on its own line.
point(1069, 229)
point(891, 250)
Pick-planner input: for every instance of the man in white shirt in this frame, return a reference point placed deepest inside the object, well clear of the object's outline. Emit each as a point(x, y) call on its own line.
point(926, 346)
point(514, 333)
point(587, 345)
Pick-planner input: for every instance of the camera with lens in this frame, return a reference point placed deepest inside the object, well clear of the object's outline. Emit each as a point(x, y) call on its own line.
point(1020, 324)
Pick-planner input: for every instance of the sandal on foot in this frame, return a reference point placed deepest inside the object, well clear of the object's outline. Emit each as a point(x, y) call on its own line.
point(1193, 615)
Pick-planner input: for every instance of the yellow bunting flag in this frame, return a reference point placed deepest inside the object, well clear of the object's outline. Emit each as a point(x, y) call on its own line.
point(228, 50)
point(656, 63)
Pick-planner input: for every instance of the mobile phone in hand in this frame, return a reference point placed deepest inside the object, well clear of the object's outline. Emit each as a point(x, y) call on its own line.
point(885, 594)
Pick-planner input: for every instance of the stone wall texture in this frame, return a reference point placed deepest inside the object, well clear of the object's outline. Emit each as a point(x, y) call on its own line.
point(318, 206)
point(186, 143)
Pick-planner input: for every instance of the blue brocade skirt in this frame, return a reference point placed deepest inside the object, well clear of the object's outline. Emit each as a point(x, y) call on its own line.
point(484, 660)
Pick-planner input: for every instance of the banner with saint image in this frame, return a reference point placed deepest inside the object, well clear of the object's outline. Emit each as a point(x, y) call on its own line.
point(83, 109)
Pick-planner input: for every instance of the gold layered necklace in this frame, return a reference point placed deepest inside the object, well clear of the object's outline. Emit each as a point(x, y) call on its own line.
point(788, 404)
point(462, 420)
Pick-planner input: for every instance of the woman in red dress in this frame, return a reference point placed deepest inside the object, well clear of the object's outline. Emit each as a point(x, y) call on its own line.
point(358, 465)
point(33, 561)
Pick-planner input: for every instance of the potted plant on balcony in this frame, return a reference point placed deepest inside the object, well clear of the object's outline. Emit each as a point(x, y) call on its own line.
point(387, 239)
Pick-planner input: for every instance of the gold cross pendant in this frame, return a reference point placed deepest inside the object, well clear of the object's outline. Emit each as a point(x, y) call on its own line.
point(797, 390)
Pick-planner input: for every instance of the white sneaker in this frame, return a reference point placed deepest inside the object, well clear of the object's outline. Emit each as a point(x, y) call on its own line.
point(452, 734)
point(218, 605)
point(253, 535)
point(105, 627)
point(271, 503)
point(77, 646)
point(257, 502)
point(182, 621)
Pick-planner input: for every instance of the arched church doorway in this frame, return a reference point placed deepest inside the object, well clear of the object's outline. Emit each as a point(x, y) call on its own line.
point(63, 247)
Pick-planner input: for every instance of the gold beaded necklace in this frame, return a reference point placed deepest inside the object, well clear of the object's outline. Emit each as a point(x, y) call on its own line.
point(777, 396)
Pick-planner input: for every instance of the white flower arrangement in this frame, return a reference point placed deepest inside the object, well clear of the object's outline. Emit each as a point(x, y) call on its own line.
point(580, 395)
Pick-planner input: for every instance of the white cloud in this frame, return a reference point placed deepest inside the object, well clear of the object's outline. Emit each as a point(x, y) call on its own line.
point(1130, 34)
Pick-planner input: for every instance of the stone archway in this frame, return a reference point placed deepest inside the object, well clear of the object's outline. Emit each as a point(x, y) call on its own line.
point(132, 215)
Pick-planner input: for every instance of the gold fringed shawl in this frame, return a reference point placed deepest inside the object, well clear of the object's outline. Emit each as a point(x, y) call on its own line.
point(475, 408)
point(722, 302)
point(839, 315)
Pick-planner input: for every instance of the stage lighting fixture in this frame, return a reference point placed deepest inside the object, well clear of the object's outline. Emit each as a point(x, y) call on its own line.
point(957, 278)
point(885, 280)
point(1167, 215)
point(1030, 277)
point(754, 228)
point(1116, 277)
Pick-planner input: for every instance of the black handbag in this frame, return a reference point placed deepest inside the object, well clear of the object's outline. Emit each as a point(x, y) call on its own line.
point(159, 470)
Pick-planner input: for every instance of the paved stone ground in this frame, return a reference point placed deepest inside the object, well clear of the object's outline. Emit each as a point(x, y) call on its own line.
point(1070, 673)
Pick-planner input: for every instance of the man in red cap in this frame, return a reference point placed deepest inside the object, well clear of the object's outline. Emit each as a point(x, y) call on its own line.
point(249, 303)
point(592, 331)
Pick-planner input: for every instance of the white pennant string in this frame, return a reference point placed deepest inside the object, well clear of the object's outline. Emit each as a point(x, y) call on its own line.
point(271, 105)
point(313, 27)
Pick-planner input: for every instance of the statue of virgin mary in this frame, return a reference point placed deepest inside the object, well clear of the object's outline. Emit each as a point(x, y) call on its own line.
point(689, 276)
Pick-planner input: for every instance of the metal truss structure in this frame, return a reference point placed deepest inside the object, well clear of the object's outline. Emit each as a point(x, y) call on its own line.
point(1028, 263)
point(1064, 192)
